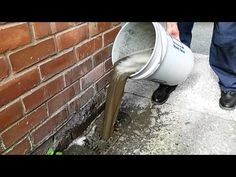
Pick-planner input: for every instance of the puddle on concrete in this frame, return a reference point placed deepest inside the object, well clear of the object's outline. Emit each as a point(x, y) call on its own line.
point(93, 144)
point(132, 125)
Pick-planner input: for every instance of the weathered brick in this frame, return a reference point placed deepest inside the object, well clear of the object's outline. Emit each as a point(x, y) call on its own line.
point(4, 68)
point(60, 26)
point(108, 64)
point(32, 54)
point(26, 124)
point(17, 86)
point(89, 47)
point(102, 55)
point(110, 36)
point(58, 64)
point(48, 127)
point(74, 106)
point(98, 27)
point(14, 36)
point(76, 87)
point(78, 71)
point(103, 82)
point(61, 99)
point(43, 93)
point(21, 148)
point(73, 37)
point(92, 76)
point(86, 96)
point(41, 29)
point(10, 114)
point(54, 86)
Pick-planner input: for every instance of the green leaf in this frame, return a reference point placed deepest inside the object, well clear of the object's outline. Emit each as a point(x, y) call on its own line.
point(50, 151)
point(58, 153)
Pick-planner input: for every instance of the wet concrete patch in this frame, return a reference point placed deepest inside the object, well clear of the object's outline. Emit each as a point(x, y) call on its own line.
point(93, 143)
point(190, 122)
point(131, 120)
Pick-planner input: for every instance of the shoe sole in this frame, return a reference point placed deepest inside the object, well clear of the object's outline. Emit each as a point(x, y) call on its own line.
point(227, 109)
point(156, 103)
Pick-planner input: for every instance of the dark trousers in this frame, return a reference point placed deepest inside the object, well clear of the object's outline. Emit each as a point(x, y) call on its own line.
point(185, 32)
point(222, 51)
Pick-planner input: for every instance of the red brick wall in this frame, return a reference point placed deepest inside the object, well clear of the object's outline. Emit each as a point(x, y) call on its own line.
point(48, 71)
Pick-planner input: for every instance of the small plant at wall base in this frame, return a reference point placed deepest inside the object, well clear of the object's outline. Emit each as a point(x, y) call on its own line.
point(52, 151)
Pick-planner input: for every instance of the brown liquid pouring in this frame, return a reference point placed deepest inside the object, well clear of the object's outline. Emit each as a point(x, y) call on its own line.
point(122, 70)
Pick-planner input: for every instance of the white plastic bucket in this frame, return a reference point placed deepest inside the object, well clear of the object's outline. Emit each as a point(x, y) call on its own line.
point(171, 62)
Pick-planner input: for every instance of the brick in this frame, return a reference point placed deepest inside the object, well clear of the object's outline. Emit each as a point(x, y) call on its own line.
point(89, 47)
point(61, 99)
point(108, 64)
point(92, 76)
point(74, 106)
point(86, 96)
point(57, 65)
point(32, 54)
point(78, 71)
point(21, 148)
point(72, 37)
point(17, 86)
point(22, 127)
point(110, 36)
point(10, 114)
point(98, 27)
point(54, 86)
point(34, 99)
point(103, 82)
point(102, 55)
point(48, 127)
point(15, 36)
point(4, 68)
point(41, 29)
point(60, 26)
point(76, 87)
point(42, 94)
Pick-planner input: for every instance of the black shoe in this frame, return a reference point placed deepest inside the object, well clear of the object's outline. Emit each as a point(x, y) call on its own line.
point(161, 94)
point(228, 100)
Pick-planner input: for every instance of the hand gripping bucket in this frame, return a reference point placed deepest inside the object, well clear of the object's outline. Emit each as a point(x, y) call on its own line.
point(171, 62)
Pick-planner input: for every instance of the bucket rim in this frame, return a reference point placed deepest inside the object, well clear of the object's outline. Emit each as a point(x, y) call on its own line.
point(140, 74)
point(159, 40)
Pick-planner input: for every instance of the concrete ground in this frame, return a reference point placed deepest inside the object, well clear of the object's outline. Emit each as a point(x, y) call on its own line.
point(202, 33)
point(190, 122)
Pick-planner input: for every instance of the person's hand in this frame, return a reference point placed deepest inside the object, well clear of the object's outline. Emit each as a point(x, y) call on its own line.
point(172, 29)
